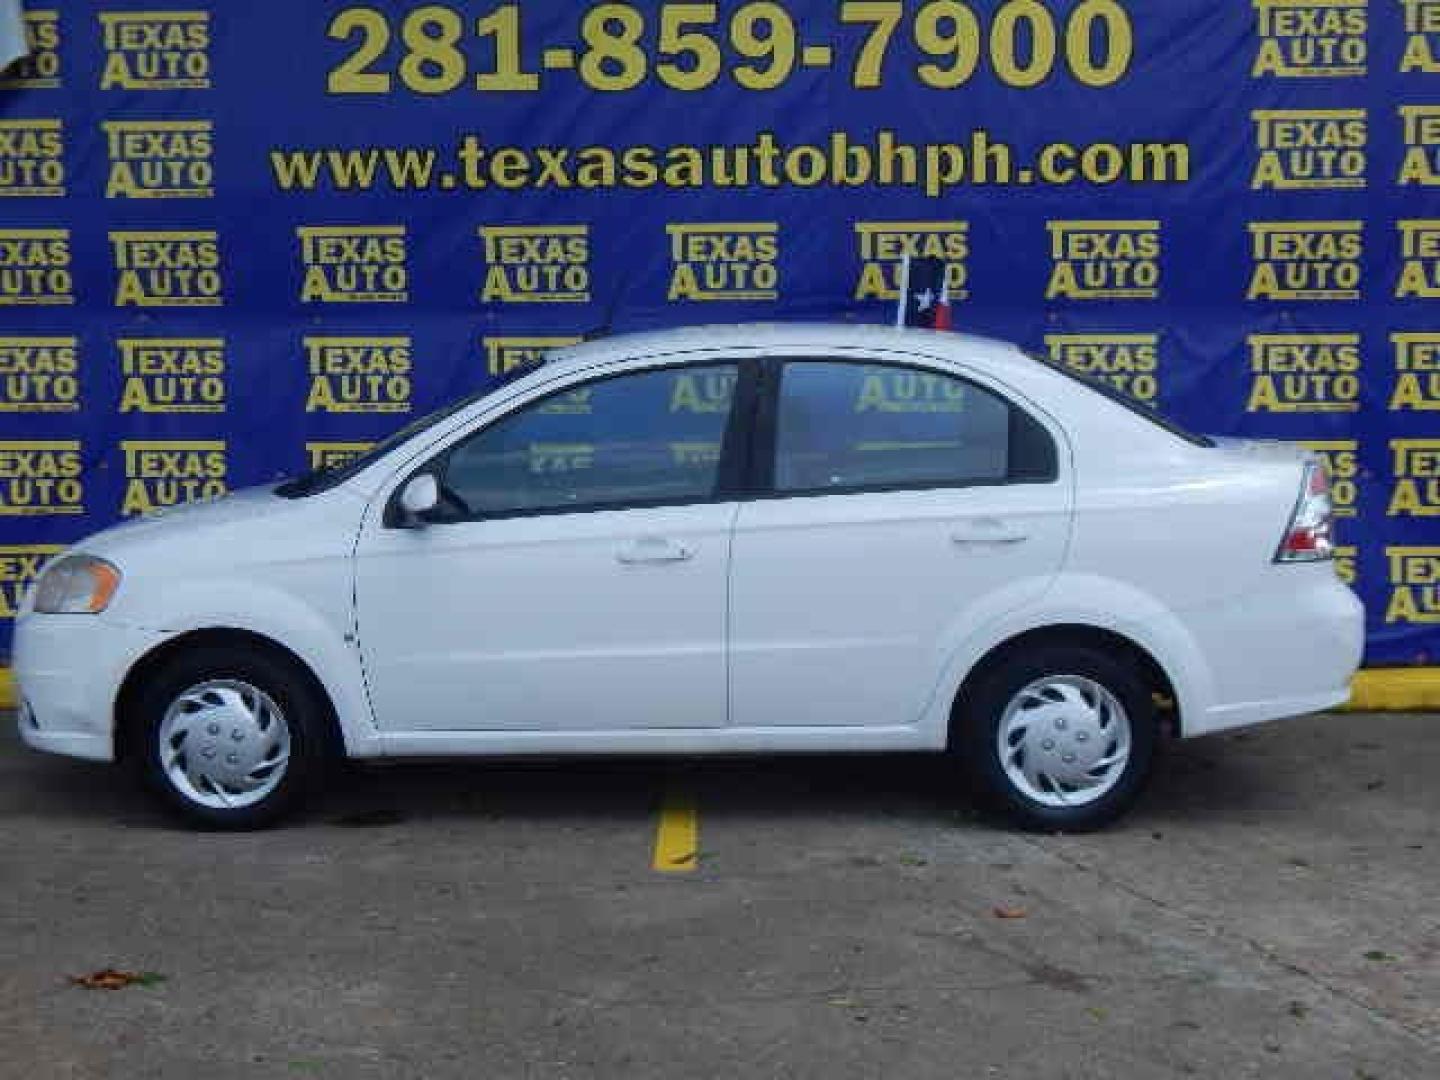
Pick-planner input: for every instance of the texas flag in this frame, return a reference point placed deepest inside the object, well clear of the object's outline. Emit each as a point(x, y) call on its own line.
point(924, 296)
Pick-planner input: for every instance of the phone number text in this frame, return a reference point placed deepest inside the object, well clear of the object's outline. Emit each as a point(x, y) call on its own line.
point(439, 49)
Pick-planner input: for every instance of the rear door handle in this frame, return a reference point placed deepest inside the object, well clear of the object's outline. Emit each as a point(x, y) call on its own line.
point(653, 549)
point(988, 532)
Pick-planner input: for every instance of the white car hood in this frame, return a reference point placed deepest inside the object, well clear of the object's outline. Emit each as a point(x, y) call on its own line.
point(213, 527)
point(241, 505)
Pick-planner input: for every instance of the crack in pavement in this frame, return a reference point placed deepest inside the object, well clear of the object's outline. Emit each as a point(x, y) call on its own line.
point(1259, 948)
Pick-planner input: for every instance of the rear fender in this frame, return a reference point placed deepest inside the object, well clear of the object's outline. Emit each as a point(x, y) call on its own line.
point(1081, 600)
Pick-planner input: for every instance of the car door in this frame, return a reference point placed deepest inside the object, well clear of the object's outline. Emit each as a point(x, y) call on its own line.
point(574, 575)
point(899, 505)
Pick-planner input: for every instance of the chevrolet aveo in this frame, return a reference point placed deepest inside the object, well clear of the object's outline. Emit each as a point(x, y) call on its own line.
point(717, 540)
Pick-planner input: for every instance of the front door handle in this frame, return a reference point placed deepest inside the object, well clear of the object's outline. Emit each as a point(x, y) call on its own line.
point(653, 549)
point(987, 532)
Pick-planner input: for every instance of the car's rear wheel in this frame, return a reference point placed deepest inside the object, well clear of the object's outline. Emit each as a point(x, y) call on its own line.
point(1060, 737)
point(231, 738)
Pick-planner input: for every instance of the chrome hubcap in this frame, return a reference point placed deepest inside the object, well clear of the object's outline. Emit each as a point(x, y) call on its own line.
point(1064, 740)
point(224, 744)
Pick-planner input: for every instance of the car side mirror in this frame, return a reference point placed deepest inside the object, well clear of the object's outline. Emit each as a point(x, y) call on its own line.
point(418, 497)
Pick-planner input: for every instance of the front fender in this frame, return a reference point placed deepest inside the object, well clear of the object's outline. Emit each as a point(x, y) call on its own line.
point(316, 636)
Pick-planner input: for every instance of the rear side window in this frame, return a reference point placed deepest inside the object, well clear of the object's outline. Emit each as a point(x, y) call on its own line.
point(1119, 397)
point(845, 426)
point(642, 438)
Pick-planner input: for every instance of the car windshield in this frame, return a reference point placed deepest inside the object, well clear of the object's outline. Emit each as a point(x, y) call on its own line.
point(326, 477)
point(1115, 394)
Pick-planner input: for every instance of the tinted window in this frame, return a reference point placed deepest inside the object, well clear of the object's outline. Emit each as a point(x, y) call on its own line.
point(878, 425)
point(1115, 394)
point(653, 436)
point(324, 478)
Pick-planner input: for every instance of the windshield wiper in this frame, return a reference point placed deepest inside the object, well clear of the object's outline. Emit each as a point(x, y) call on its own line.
point(299, 486)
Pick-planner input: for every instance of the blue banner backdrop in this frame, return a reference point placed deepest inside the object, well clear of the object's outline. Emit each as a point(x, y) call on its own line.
point(238, 239)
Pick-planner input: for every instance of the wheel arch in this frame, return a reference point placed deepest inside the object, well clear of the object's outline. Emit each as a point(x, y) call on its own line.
point(1106, 640)
point(126, 697)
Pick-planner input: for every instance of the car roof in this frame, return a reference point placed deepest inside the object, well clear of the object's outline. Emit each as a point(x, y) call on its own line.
point(816, 335)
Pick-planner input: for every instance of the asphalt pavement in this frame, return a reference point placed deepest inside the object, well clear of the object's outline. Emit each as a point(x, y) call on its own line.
point(1271, 909)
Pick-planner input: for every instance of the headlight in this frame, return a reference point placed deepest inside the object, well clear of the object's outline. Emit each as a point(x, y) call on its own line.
point(76, 585)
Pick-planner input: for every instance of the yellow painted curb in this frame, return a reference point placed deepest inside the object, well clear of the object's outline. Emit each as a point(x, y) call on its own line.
point(1407, 689)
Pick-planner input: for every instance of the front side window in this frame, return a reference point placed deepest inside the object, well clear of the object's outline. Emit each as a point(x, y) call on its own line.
point(848, 425)
point(643, 438)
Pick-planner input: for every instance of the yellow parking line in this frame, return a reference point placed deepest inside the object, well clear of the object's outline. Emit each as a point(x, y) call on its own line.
point(677, 837)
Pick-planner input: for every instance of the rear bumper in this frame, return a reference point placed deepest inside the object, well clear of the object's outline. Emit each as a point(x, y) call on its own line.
point(1288, 648)
point(68, 670)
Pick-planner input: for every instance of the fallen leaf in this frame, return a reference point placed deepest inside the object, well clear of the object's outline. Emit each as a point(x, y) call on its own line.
point(1379, 955)
point(113, 979)
point(1004, 912)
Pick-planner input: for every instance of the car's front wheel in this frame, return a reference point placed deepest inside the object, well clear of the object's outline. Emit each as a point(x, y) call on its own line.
point(232, 738)
point(1060, 737)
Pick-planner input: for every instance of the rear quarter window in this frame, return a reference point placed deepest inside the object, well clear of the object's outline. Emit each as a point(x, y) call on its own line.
point(1125, 401)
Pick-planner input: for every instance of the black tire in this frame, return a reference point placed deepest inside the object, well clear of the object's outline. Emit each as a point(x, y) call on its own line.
point(301, 710)
point(978, 714)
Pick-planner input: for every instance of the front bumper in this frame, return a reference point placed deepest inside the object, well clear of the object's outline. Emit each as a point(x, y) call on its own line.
point(68, 670)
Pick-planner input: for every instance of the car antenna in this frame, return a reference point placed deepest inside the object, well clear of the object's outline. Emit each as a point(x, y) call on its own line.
point(603, 330)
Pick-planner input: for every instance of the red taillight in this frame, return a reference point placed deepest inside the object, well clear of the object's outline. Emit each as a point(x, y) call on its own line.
point(1309, 536)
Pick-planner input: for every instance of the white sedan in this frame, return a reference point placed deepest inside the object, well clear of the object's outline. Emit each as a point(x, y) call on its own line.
point(716, 540)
